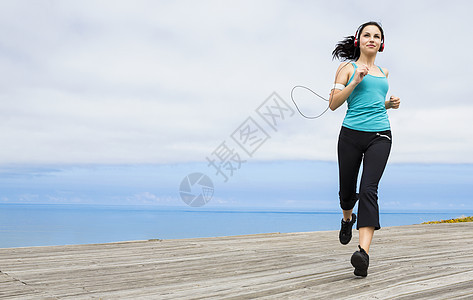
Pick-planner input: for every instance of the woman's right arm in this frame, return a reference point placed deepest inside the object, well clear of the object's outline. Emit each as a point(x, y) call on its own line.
point(338, 97)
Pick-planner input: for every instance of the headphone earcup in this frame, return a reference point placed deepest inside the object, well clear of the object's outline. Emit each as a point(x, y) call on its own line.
point(381, 48)
point(356, 35)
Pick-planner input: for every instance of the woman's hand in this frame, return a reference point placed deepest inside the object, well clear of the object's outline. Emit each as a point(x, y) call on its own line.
point(360, 73)
point(393, 102)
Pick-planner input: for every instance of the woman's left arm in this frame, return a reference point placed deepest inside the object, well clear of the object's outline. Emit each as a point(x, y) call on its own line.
point(393, 101)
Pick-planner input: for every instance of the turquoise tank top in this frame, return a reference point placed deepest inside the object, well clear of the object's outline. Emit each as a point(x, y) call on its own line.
point(366, 110)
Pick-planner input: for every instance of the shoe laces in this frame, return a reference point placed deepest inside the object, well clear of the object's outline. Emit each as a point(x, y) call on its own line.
point(362, 250)
point(345, 226)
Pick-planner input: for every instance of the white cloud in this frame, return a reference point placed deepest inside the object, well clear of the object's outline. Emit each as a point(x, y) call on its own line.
point(160, 82)
point(147, 198)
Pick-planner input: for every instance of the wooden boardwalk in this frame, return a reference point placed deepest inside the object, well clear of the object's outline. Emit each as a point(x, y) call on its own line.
point(407, 262)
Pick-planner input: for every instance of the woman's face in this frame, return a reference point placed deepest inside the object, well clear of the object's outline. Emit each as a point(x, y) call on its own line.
point(370, 39)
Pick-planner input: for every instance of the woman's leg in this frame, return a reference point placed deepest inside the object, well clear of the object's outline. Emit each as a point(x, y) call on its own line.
point(347, 214)
point(366, 236)
point(349, 161)
point(374, 163)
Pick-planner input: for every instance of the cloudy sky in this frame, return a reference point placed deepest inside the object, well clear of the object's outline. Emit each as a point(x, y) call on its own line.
point(114, 83)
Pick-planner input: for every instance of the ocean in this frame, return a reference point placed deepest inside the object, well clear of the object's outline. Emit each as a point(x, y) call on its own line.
point(24, 225)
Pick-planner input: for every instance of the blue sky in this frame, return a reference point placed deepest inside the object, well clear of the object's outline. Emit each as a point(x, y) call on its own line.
point(116, 101)
point(306, 185)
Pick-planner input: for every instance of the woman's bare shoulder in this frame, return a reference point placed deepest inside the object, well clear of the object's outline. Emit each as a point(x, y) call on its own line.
point(386, 71)
point(345, 66)
point(344, 71)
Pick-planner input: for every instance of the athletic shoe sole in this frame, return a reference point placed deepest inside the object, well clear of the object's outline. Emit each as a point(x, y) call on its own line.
point(360, 264)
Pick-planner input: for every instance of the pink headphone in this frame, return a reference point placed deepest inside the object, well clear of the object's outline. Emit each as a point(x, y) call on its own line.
point(381, 47)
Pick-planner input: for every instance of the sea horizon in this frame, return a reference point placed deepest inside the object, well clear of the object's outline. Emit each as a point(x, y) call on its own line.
point(45, 224)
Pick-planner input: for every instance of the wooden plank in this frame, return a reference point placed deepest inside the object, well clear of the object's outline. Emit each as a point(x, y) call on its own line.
point(416, 261)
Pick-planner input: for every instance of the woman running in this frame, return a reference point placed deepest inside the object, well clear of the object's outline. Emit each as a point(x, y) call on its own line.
point(365, 135)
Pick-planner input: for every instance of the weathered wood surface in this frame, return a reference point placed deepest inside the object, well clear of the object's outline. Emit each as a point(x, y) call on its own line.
point(406, 262)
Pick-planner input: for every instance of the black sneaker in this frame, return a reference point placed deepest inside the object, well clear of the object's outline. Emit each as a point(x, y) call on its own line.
point(345, 231)
point(360, 260)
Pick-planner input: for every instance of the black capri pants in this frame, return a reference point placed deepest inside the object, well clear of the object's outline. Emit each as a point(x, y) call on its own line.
point(373, 149)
